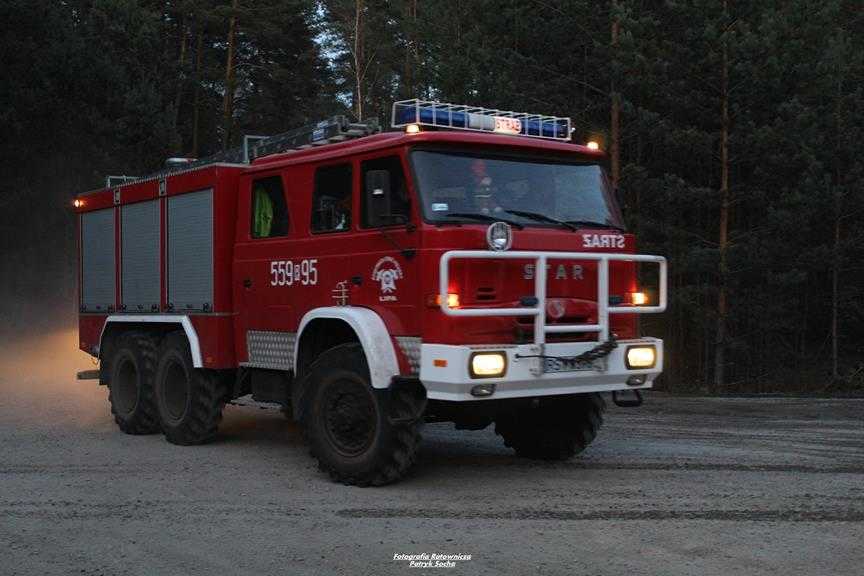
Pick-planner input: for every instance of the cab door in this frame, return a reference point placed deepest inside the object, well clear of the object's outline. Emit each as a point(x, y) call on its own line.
point(265, 310)
point(386, 259)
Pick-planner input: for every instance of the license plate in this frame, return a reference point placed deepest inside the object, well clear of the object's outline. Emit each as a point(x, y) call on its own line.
point(570, 365)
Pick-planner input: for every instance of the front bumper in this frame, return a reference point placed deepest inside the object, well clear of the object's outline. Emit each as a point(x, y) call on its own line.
point(524, 377)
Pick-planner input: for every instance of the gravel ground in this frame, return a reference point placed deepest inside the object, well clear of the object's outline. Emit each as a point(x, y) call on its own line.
point(678, 486)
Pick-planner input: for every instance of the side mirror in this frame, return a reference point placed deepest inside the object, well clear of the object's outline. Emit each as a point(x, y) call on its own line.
point(378, 198)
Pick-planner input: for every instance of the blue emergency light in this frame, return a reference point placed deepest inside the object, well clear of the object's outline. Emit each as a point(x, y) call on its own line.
point(461, 117)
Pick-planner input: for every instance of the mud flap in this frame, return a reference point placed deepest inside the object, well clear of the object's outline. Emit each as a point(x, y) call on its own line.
point(404, 394)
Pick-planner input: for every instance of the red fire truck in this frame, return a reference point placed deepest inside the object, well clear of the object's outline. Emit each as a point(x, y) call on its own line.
point(470, 265)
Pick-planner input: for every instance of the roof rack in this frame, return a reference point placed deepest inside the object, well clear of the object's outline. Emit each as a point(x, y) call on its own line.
point(336, 129)
point(330, 131)
point(111, 181)
point(476, 118)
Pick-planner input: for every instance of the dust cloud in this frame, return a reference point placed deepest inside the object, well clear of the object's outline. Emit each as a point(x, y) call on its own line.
point(38, 379)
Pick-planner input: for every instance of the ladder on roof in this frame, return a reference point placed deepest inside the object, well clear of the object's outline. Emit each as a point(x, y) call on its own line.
point(330, 131)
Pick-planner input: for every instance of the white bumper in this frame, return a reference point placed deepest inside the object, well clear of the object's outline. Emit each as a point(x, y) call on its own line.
point(444, 371)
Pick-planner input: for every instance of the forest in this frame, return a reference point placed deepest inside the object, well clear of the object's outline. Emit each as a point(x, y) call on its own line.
point(733, 130)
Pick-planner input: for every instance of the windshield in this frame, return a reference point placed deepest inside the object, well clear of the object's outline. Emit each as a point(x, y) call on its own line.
point(530, 191)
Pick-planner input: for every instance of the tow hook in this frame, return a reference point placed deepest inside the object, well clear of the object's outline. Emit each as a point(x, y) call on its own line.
point(625, 402)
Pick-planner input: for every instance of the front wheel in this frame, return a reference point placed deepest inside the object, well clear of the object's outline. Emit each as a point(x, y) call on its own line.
point(554, 427)
point(359, 435)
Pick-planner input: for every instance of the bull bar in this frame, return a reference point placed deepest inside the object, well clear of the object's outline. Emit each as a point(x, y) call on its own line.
point(538, 310)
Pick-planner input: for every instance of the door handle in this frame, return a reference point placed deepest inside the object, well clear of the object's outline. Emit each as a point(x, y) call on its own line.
point(247, 282)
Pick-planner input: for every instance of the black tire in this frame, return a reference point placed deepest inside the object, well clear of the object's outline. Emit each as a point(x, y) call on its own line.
point(131, 372)
point(189, 399)
point(360, 436)
point(553, 428)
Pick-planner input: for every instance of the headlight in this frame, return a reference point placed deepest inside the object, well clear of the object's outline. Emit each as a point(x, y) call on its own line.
point(640, 357)
point(488, 364)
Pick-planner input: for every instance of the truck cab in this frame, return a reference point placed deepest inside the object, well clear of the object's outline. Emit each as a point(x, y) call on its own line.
point(470, 266)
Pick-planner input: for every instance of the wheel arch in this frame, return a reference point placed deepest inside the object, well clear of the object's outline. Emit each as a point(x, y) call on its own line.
point(368, 330)
point(116, 324)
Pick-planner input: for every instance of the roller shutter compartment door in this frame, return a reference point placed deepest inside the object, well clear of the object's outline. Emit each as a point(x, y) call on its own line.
point(190, 251)
point(97, 260)
point(140, 256)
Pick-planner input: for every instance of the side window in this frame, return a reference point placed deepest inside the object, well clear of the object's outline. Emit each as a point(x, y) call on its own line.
point(269, 211)
point(331, 202)
point(399, 202)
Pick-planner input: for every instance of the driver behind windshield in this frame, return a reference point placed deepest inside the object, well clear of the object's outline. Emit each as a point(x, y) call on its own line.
point(529, 191)
point(484, 193)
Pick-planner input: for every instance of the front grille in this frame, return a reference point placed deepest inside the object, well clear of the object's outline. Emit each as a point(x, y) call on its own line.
point(525, 329)
point(486, 294)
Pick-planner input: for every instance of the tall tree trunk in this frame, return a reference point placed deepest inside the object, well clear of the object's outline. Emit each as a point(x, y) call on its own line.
point(409, 79)
point(835, 289)
point(228, 102)
point(197, 102)
point(722, 305)
point(615, 115)
point(358, 59)
point(181, 64)
point(839, 189)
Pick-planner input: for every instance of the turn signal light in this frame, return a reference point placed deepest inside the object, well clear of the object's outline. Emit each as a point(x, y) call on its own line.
point(434, 300)
point(640, 357)
point(638, 298)
point(77, 203)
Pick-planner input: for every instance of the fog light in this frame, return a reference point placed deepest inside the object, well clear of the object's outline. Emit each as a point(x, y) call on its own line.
point(481, 390)
point(488, 364)
point(640, 357)
point(636, 380)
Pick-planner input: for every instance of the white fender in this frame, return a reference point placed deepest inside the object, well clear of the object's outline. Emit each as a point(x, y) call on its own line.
point(188, 328)
point(371, 332)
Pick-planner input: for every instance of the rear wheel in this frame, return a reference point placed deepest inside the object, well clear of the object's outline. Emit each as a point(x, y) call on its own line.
point(132, 368)
point(552, 428)
point(189, 399)
point(359, 435)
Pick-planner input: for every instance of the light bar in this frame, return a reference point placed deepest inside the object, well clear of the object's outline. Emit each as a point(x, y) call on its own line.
point(460, 117)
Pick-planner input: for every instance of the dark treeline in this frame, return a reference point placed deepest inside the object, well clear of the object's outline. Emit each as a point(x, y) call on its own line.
point(733, 129)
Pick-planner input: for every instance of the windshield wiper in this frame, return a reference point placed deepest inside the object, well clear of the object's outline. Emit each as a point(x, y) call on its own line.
point(542, 218)
point(484, 218)
point(593, 224)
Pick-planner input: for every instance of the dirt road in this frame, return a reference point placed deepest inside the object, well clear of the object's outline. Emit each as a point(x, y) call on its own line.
point(679, 486)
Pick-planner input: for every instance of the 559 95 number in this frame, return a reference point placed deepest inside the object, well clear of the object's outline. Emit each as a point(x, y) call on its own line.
point(288, 273)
